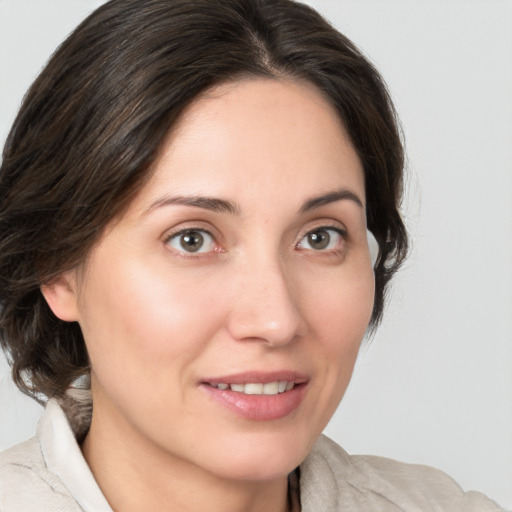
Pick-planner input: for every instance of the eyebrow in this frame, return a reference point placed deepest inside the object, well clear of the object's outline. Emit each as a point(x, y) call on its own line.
point(224, 206)
point(341, 194)
point(207, 203)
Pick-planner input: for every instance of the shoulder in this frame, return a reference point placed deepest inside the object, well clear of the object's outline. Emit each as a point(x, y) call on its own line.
point(377, 483)
point(49, 473)
point(26, 484)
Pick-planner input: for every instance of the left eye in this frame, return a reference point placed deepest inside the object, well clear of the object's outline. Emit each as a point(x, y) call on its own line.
point(192, 241)
point(322, 239)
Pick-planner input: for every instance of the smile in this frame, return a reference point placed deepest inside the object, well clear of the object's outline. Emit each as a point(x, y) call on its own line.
point(259, 396)
point(257, 388)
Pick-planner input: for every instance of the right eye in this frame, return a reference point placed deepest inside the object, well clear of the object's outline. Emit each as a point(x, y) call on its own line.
point(192, 241)
point(323, 239)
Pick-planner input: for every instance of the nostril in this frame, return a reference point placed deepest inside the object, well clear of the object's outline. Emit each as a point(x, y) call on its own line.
point(276, 324)
point(265, 308)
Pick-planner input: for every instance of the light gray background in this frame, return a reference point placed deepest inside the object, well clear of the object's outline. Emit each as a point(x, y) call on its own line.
point(435, 385)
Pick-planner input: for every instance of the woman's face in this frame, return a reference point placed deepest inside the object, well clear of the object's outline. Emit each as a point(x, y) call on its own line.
point(241, 267)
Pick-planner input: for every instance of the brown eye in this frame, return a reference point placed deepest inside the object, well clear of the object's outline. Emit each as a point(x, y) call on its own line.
point(321, 239)
point(192, 241)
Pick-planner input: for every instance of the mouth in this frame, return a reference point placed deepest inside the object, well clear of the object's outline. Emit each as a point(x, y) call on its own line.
point(256, 388)
point(259, 396)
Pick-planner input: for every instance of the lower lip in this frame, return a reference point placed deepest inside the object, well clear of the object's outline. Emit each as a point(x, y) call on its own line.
point(259, 407)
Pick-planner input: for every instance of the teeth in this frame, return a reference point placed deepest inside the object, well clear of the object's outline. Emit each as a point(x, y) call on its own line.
point(271, 388)
point(255, 388)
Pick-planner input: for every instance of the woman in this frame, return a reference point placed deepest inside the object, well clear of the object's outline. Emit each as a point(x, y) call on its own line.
point(199, 220)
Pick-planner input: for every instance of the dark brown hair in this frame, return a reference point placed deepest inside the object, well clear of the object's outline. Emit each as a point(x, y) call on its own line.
point(91, 125)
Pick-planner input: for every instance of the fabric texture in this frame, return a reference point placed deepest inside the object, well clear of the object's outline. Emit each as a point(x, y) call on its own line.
point(48, 474)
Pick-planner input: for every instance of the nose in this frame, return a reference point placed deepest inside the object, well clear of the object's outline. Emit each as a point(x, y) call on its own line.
point(267, 305)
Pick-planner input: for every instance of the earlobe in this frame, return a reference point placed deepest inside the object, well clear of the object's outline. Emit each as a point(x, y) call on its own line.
point(60, 295)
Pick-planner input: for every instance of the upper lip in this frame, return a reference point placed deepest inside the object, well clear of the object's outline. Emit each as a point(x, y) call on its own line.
point(259, 377)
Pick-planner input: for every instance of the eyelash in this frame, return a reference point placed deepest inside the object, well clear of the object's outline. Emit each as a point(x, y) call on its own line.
point(202, 231)
point(190, 230)
point(341, 232)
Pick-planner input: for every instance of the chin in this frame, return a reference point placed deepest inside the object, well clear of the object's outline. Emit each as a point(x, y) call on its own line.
point(259, 457)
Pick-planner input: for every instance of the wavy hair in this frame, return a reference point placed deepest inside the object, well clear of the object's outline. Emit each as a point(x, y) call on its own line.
point(92, 123)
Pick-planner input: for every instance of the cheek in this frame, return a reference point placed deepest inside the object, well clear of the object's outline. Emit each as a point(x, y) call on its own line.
point(136, 318)
point(340, 316)
point(342, 308)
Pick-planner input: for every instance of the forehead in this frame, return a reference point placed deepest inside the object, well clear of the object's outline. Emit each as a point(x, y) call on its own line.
point(257, 138)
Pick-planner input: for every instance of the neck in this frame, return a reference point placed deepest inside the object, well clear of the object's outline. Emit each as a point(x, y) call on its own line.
point(135, 475)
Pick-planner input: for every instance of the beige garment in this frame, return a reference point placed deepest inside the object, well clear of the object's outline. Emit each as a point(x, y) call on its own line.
point(49, 474)
point(332, 480)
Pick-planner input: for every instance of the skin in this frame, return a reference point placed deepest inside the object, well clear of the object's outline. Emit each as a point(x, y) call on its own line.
point(258, 296)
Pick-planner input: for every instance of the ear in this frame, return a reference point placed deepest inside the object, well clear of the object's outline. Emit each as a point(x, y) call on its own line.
point(61, 295)
point(373, 247)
